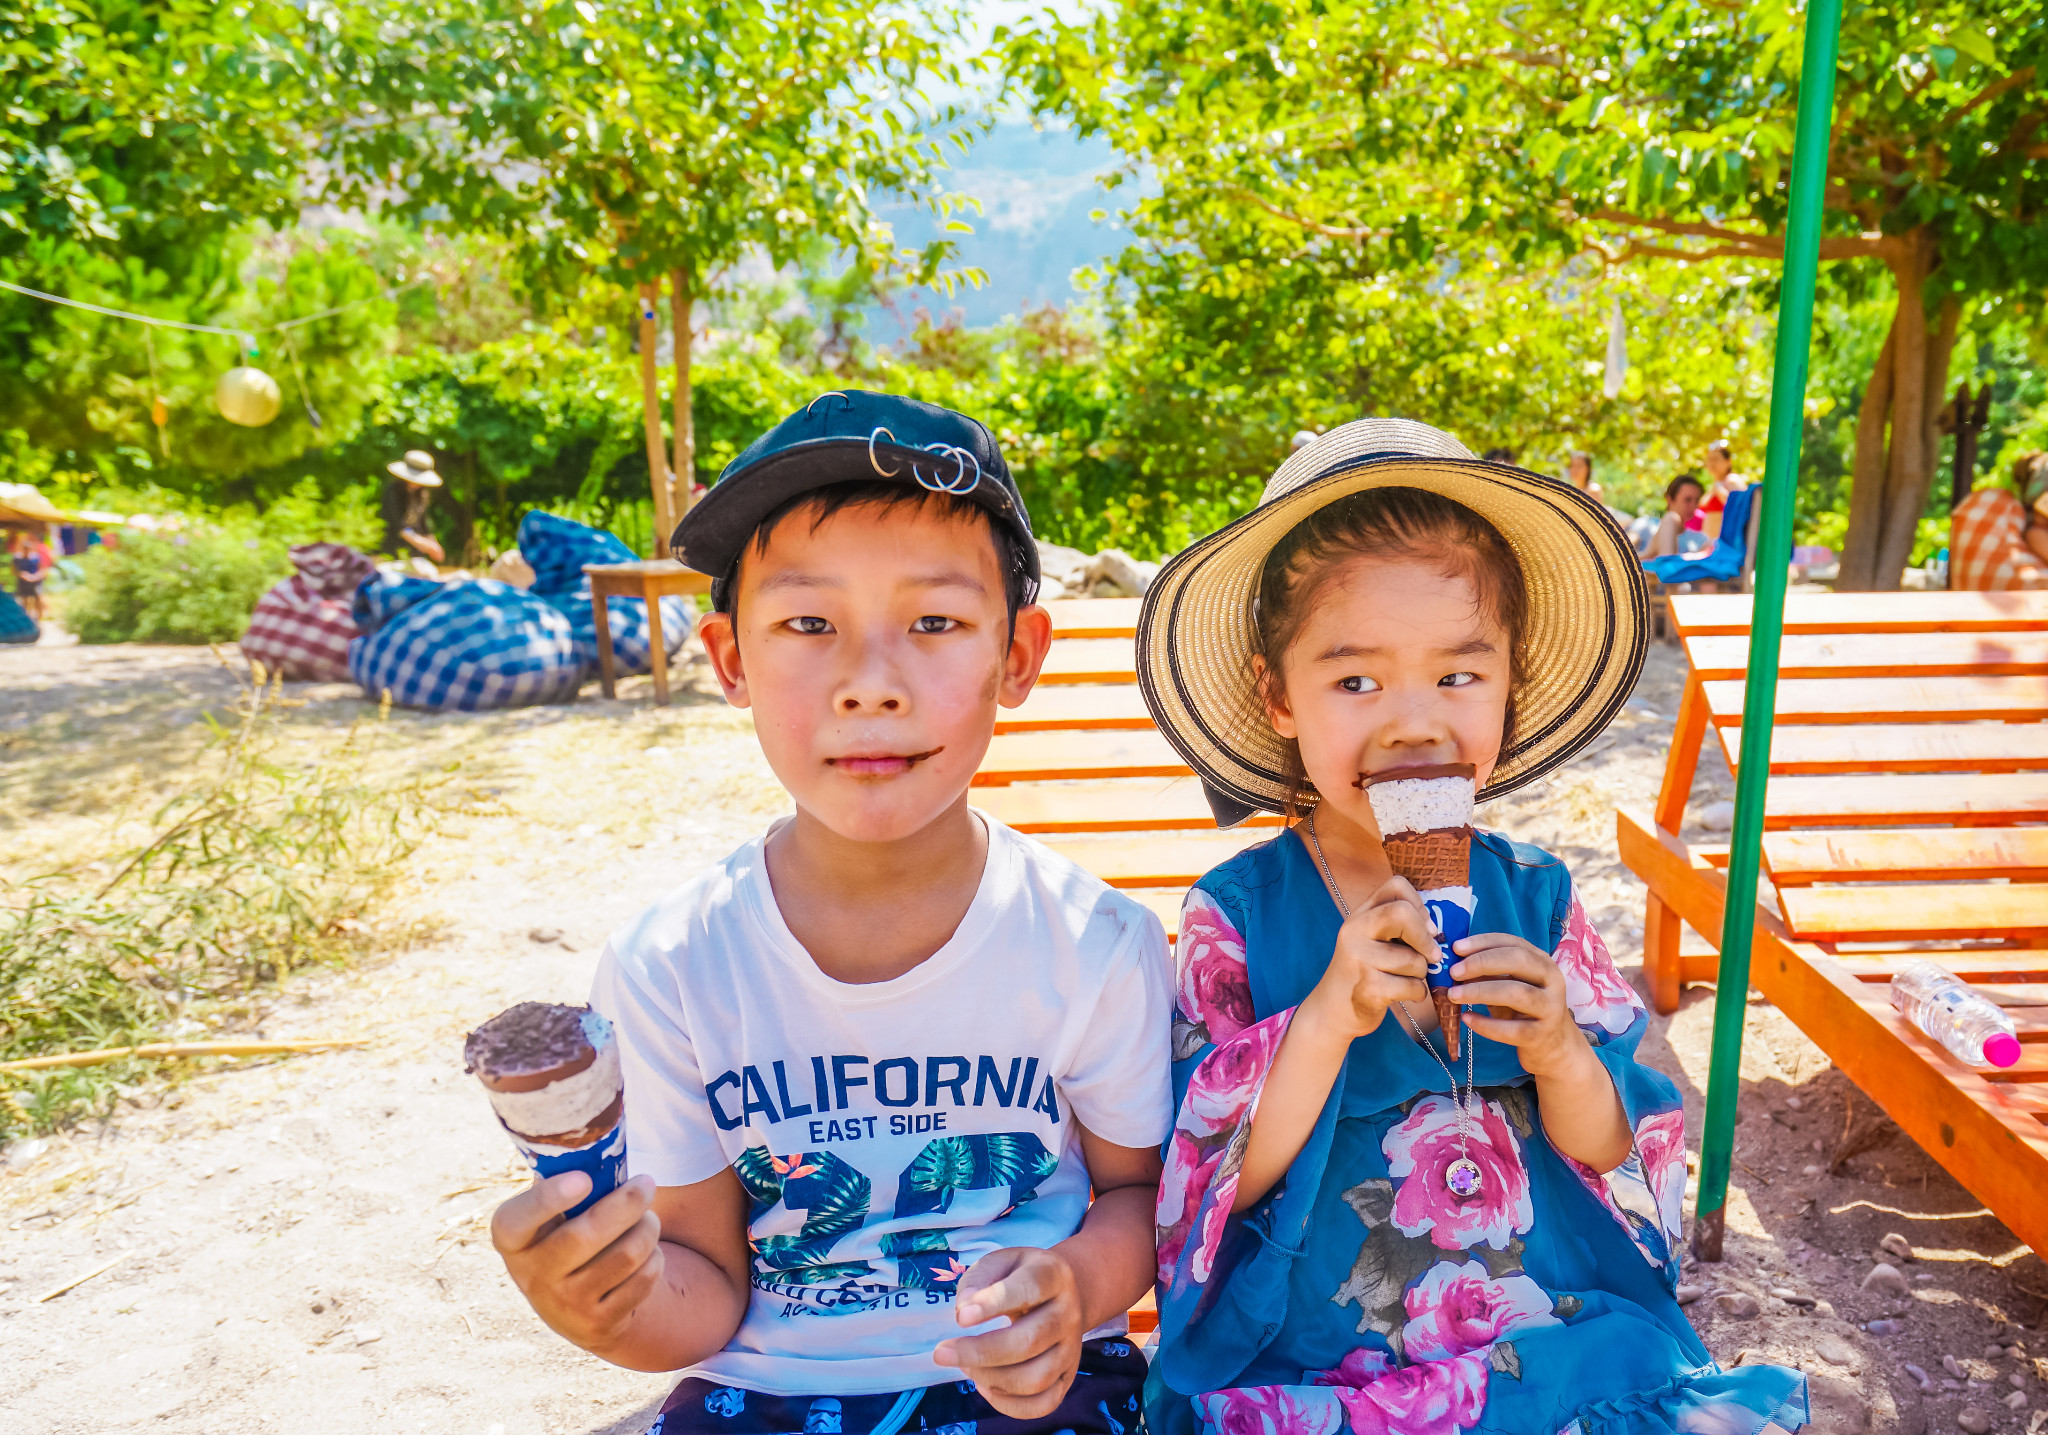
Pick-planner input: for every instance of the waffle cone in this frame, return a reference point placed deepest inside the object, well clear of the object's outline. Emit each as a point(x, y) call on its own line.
point(1450, 1016)
point(1430, 860)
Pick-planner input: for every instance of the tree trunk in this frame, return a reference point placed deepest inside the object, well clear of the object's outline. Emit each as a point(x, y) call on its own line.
point(682, 300)
point(1898, 434)
point(650, 412)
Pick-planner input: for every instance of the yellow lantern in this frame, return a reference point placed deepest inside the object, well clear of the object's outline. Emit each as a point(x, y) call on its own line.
point(248, 396)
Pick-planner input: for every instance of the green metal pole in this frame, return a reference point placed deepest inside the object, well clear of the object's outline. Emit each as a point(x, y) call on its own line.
point(1767, 614)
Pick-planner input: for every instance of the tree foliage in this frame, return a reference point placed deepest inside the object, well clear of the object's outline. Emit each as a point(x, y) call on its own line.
point(1357, 137)
point(648, 141)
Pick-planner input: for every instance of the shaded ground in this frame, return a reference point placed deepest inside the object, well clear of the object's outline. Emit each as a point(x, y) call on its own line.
point(302, 1244)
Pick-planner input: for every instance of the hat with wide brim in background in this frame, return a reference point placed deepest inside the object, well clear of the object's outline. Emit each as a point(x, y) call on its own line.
point(1588, 611)
point(417, 467)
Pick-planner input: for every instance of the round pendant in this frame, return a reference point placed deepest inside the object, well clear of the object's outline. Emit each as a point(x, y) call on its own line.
point(1463, 1179)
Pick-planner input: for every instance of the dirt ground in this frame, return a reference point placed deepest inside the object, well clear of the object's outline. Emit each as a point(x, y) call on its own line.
point(299, 1245)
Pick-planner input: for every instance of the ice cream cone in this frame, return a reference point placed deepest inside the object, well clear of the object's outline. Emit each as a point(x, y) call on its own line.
point(555, 1082)
point(1425, 820)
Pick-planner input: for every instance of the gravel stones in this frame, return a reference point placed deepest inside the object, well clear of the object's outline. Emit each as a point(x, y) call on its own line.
point(1973, 1420)
point(1887, 1279)
point(1896, 1246)
point(1688, 1292)
point(1738, 1305)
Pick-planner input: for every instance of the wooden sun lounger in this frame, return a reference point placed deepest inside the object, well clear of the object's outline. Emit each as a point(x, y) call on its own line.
point(1081, 766)
point(1905, 816)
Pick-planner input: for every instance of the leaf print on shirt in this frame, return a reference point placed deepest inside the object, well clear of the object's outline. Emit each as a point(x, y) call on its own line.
point(1016, 1159)
point(835, 1197)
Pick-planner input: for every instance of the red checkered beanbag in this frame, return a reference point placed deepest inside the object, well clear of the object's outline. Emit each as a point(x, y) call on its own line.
point(303, 626)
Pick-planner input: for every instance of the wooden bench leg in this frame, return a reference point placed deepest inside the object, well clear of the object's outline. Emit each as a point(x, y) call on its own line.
point(657, 657)
point(605, 666)
point(1662, 932)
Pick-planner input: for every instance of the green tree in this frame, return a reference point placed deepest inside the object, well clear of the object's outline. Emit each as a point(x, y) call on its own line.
point(1360, 136)
point(654, 142)
point(132, 124)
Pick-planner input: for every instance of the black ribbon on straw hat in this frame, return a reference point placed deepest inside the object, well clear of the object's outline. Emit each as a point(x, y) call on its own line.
point(849, 436)
point(1588, 611)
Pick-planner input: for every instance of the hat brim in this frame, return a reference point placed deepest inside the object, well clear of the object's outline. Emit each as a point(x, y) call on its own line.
point(422, 477)
point(1587, 639)
point(712, 535)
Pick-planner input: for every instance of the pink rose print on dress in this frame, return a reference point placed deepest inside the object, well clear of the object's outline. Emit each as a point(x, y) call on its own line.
point(1358, 1369)
point(1422, 1148)
point(1457, 1308)
point(1270, 1410)
point(1223, 1087)
point(1660, 1141)
point(1215, 988)
point(1437, 1397)
point(1214, 1220)
point(1594, 990)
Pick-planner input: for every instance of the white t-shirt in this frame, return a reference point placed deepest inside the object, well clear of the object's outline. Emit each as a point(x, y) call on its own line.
point(890, 1134)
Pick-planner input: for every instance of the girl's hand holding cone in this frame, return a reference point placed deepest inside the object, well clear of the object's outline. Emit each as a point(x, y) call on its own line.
point(1524, 993)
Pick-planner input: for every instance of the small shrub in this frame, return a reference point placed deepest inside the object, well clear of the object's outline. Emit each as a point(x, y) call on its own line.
point(196, 587)
point(255, 869)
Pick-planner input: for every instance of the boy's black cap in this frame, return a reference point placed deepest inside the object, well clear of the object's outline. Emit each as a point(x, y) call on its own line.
point(848, 436)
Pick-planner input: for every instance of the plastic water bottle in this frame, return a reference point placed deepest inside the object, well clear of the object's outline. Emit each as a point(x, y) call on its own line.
point(1968, 1024)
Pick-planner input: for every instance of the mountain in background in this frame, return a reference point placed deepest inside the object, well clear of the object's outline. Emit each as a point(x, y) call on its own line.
point(1037, 189)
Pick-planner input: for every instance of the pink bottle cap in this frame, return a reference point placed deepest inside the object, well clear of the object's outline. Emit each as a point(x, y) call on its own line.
point(2002, 1050)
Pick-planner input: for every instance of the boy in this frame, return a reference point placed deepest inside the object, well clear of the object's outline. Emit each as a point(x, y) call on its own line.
point(876, 1059)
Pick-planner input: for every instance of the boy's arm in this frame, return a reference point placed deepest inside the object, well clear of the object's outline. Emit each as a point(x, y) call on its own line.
point(1054, 1297)
point(648, 1278)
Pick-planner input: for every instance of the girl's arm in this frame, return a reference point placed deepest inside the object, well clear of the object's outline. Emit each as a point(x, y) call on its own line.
point(1378, 961)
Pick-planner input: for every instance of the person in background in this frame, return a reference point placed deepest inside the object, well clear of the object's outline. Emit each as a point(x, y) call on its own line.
point(1579, 470)
point(406, 498)
point(1724, 481)
point(1998, 540)
point(1498, 455)
point(1681, 501)
point(32, 564)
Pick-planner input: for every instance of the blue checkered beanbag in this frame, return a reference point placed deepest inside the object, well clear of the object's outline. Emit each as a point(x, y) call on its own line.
point(16, 626)
point(466, 645)
point(557, 548)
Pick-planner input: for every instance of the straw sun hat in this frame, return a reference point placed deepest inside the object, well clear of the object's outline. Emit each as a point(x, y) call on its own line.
point(416, 468)
point(1588, 610)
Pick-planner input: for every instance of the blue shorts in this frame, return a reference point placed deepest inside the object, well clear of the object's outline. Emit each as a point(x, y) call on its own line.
point(1105, 1399)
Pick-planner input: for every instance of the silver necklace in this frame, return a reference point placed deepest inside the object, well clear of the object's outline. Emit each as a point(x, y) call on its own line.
point(1462, 1178)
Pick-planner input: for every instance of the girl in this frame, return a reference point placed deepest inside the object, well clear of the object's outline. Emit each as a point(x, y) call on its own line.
point(1360, 1231)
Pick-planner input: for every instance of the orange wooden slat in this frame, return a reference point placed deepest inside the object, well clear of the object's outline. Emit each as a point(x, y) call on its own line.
point(1916, 911)
point(1157, 859)
point(1076, 707)
point(1047, 756)
point(1701, 613)
point(1090, 660)
point(1903, 747)
point(1871, 800)
point(1094, 617)
point(2021, 967)
point(1890, 700)
point(1878, 655)
point(1951, 854)
point(1993, 1140)
point(1165, 904)
point(1115, 805)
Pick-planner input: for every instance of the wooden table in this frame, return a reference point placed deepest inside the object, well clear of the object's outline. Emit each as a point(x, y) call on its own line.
point(649, 580)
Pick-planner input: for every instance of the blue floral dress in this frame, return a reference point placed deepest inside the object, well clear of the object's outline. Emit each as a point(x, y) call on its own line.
point(1360, 1294)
